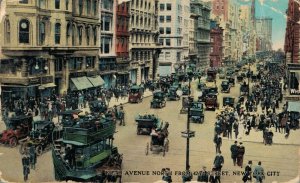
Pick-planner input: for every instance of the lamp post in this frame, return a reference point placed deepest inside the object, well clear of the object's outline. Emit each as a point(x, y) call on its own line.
point(37, 67)
point(188, 133)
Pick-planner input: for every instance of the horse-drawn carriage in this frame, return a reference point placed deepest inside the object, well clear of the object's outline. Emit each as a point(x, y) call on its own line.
point(18, 128)
point(41, 137)
point(145, 123)
point(158, 100)
point(159, 140)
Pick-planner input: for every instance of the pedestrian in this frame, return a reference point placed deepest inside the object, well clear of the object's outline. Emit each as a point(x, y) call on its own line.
point(240, 155)
point(32, 156)
point(26, 172)
point(187, 175)
point(214, 177)
point(218, 142)
point(234, 152)
point(166, 175)
point(203, 175)
point(218, 162)
point(248, 171)
point(258, 173)
point(236, 129)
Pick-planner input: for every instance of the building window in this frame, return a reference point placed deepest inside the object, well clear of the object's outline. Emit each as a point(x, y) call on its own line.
point(67, 4)
point(42, 4)
point(73, 35)
point(168, 30)
point(106, 44)
point(168, 42)
point(57, 33)
point(106, 23)
point(23, 1)
point(178, 56)
point(68, 32)
point(161, 30)
point(95, 7)
point(95, 35)
point(162, 7)
point(42, 33)
point(168, 18)
point(90, 62)
point(87, 35)
point(80, 34)
point(24, 31)
point(107, 4)
point(7, 31)
point(88, 6)
point(169, 6)
point(80, 7)
point(57, 4)
point(58, 64)
point(161, 41)
point(167, 56)
point(75, 63)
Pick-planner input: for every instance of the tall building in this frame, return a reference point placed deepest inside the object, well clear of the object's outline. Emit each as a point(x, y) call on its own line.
point(107, 61)
point(174, 29)
point(144, 47)
point(264, 33)
point(216, 41)
point(291, 48)
point(122, 41)
point(48, 45)
point(201, 11)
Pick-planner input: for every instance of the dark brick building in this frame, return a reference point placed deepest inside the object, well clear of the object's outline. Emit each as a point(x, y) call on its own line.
point(216, 42)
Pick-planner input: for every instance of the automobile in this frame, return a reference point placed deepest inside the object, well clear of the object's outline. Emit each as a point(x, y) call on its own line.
point(41, 137)
point(147, 122)
point(158, 100)
point(240, 78)
point(172, 94)
point(201, 85)
point(18, 128)
point(228, 101)
point(197, 113)
point(212, 88)
point(221, 75)
point(244, 89)
point(135, 94)
point(225, 86)
point(211, 101)
point(211, 75)
point(185, 90)
point(203, 93)
point(98, 106)
point(231, 81)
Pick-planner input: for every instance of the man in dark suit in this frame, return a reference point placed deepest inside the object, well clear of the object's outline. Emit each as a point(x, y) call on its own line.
point(248, 171)
point(214, 178)
point(219, 161)
point(240, 155)
point(203, 176)
point(234, 152)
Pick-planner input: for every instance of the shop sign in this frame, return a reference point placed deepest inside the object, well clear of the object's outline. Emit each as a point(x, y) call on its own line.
point(294, 92)
point(77, 74)
point(34, 81)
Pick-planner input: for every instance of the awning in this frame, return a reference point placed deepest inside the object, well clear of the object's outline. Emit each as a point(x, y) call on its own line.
point(81, 83)
point(48, 85)
point(96, 81)
point(293, 107)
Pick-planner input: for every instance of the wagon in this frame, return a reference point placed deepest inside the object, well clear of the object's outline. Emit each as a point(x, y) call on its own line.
point(41, 137)
point(135, 94)
point(159, 141)
point(145, 123)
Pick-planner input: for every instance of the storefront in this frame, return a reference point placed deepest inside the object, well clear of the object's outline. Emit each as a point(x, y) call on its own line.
point(165, 69)
point(133, 76)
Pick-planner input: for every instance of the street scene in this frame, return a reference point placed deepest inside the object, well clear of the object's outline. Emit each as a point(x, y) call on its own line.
point(150, 91)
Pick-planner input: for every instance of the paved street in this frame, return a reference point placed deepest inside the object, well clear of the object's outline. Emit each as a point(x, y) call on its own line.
point(280, 157)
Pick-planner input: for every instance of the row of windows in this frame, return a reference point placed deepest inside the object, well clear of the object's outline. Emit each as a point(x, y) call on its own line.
point(25, 32)
point(162, 19)
point(140, 38)
point(75, 63)
point(140, 4)
point(167, 42)
point(140, 21)
point(162, 30)
point(168, 7)
point(144, 55)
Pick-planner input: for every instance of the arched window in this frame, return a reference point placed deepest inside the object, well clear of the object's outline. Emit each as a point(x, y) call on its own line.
point(137, 21)
point(80, 7)
point(24, 27)
point(68, 32)
point(80, 34)
point(42, 33)
point(7, 31)
point(87, 35)
point(57, 33)
point(73, 35)
point(57, 4)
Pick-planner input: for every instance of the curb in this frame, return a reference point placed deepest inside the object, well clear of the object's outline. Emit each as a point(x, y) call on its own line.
point(257, 142)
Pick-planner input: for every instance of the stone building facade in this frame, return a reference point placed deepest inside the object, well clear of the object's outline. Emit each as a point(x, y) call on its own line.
point(174, 29)
point(46, 43)
point(264, 33)
point(143, 44)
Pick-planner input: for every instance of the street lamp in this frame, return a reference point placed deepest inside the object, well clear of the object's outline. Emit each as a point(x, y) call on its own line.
point(188, 133)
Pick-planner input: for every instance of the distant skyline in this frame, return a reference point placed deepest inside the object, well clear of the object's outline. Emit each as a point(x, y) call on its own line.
point(274, 9)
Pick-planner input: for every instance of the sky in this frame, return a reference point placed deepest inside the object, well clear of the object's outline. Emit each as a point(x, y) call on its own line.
point(275, 9)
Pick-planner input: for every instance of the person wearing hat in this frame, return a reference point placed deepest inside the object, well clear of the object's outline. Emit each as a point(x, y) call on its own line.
point(218, 162)
point(258, 173)
point(240, 155)
point(247, 176)
point(203, 175)
point(218, 142)
point(234, 152)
